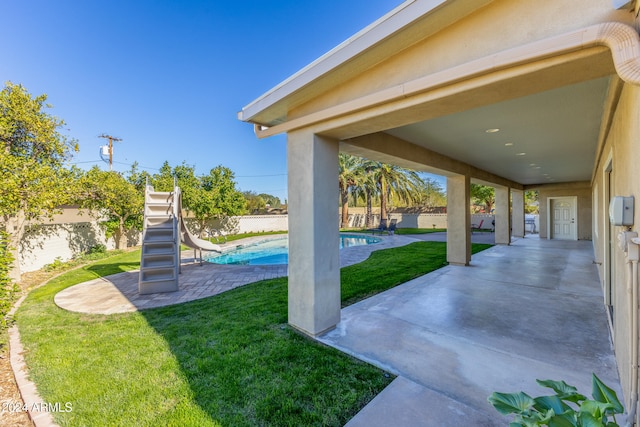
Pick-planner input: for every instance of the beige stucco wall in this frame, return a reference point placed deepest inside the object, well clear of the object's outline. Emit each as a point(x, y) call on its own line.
point(581, 190)
point(622, 153)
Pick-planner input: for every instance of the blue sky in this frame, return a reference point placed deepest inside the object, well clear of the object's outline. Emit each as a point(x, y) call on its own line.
point(168, 77)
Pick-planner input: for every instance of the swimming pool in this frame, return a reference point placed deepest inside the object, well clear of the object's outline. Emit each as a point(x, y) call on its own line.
point(276, 251)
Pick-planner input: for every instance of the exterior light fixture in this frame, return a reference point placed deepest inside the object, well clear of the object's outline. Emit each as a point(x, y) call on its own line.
point(508, 144)
point(494, 130)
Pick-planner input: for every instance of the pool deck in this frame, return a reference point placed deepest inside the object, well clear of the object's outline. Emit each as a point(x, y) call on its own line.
point(118, 293)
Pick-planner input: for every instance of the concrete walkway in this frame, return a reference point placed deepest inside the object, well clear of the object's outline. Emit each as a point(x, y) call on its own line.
point(530, 310)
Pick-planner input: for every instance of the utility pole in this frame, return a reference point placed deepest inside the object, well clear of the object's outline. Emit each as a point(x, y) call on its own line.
point(111, 139)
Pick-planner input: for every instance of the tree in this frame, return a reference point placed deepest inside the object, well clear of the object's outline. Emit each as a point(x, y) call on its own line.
point(366, 187)
point(217, 198)
point(33, 159)
point(431, 194)
point(271, 200)
point(206, 197)
point(255, 202)
point(115, 200)
point(531, 202)
point(394, 181)
point(139, 179)
point(350, 172)
point(163, 180)
point(483, 195)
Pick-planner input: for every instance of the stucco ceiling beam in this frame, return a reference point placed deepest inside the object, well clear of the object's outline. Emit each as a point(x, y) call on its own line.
point(390, 149)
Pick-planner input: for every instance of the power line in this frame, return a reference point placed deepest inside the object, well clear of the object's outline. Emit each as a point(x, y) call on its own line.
point(140, 166)
point(88, 161)
point(157, 169)
point(260, 176)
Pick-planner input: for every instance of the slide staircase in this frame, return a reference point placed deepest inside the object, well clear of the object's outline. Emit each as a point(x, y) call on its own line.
point(162, 234)
point(160, 259)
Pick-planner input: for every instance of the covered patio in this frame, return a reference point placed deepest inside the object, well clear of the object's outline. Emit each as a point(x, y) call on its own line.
point(527, 111)
point(529, 311)
point(495, 92)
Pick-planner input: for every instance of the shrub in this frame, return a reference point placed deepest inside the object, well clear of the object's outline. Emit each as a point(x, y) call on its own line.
point(8, 289)
point(567, 408)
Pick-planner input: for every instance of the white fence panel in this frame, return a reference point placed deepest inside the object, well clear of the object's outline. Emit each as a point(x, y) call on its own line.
point(43, 244)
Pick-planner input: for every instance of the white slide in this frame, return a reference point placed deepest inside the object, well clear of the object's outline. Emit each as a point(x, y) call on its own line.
point(189, 239)
point(193, 242)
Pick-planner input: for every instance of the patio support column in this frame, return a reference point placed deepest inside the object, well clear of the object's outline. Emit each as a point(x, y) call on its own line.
point(458, 220)
point(314, 258)
point(517, 216)
point(503, 216)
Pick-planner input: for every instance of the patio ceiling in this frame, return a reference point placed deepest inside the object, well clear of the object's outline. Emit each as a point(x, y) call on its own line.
point(546, 137)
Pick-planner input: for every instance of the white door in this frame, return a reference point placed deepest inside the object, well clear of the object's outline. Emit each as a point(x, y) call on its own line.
point(563, 219)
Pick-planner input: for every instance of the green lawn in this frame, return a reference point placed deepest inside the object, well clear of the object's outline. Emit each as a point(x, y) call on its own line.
point(419, 230)
point(232, 237)
point(398, 230)
point(226, 360)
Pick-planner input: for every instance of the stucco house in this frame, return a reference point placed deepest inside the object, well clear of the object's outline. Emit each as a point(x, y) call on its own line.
point(508, 93)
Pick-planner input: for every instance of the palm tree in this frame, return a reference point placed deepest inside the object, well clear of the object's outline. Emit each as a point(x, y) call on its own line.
point(349, 174)
point(394, 181)
point(367, 179)
point(367, 187)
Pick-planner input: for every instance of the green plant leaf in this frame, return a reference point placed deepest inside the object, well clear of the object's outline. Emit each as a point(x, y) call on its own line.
point(545, 403)
point(563, 420)
point(563, 390)
point(511, 403)
point(595, 408)
point(604, 394)
point(545, 416)
point(588, 420)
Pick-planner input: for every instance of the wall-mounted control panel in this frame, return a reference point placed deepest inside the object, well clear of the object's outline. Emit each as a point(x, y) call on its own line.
point(621, 210)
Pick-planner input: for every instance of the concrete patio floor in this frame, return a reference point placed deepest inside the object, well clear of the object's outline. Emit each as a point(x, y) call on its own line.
point(530, 310)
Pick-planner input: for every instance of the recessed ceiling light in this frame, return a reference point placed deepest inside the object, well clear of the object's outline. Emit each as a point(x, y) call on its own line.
point(494, 130)
point(521, 154)
point(508, 144)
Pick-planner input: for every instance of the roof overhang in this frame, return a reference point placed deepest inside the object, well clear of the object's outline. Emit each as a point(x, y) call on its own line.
point(620, 41)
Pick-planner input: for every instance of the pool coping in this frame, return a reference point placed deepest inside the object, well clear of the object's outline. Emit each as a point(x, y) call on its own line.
point(257, 240)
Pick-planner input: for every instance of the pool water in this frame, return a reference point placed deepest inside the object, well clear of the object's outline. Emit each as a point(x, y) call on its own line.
point(276, 251)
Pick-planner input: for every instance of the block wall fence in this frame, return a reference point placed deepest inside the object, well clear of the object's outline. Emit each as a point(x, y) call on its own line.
point(43, 244)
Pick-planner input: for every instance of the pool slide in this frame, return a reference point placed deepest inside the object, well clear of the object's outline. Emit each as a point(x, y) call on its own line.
point(189, 239)
point(193, 242)
point(164, 230)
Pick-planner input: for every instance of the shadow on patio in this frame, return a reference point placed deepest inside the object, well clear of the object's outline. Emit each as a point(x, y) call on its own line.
point(530, 310)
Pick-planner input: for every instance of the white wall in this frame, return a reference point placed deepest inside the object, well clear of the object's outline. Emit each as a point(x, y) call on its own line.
point(44, 243)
